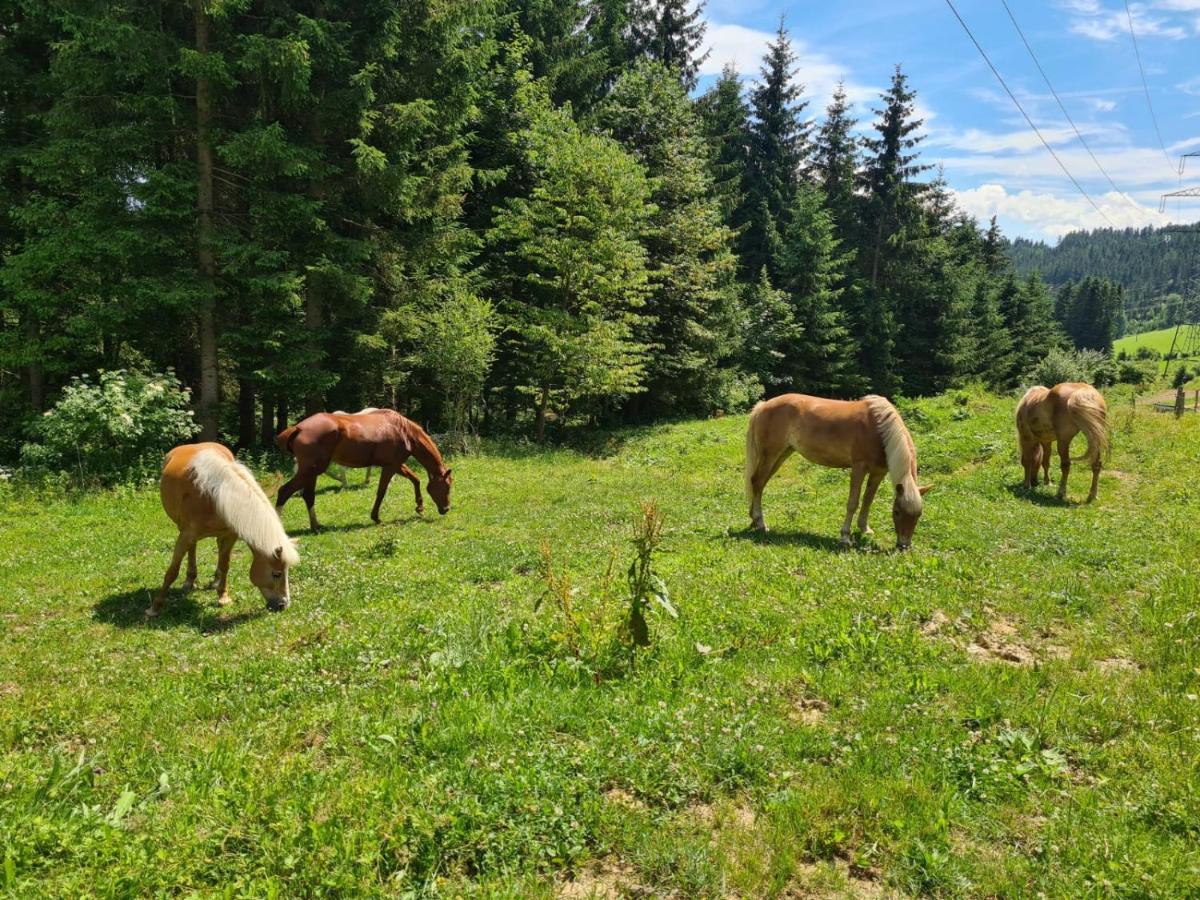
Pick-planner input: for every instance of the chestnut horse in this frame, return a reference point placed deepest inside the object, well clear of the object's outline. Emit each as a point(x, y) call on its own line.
point(866, 436)
point(207, 493)
point(382, 438)
point(339, 474)
point(1046, 415)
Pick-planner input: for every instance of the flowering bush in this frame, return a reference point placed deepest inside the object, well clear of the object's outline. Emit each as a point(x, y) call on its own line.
point(112, 428)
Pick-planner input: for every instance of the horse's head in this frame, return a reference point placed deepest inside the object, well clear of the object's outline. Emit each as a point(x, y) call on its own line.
point(906, 511)
point(269, 573)
point(439, 489)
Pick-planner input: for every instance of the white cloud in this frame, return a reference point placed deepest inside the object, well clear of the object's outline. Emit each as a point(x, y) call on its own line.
point(1191, 86)
point(1100, 105)
point(978, 141)
point(744, 48)
point(1180, 5)
point(1099, 23)
point(1050, 215)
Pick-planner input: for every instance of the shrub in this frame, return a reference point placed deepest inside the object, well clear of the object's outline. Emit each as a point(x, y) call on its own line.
point(111, 429)
point(1058, 366)
point(1147, 353)
point(1181, 377)
point(1131, 373)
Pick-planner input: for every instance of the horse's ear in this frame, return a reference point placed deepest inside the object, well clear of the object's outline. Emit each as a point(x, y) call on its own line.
point(900, 489)
point(924, 489)
point(295, 542)
point(278, 554)
point(448, 471)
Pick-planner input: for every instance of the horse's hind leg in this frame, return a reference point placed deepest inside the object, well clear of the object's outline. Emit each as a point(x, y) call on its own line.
point(1095, 479)
point(1064, 463)
point(385, 478)
point(764, 471)
point(856, 479)
point(310, 500)
point(181, 547)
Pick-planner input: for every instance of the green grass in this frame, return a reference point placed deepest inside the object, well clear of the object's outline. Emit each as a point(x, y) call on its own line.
point(1159, 340)
point(1010, 708)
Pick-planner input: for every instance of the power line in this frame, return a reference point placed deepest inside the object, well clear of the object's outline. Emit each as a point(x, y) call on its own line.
point(1018, 105)
point(1062, 107)
point(1145, 87)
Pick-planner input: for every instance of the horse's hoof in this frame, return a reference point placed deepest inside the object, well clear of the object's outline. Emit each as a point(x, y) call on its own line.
point(153, 613)
point(189, 586)
point(224, 600)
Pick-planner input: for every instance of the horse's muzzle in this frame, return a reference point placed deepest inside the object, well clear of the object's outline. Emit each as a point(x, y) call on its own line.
point(442, 512)
point(279, 604)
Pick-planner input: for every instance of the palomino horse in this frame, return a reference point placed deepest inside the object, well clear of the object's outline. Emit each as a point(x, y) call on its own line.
point(207, 493)
point(866, 436)
point(1046, 415)
point(382, 438)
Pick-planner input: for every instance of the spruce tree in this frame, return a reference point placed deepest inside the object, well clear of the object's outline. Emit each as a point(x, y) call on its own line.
point(691, 310)
point(778, 153)
point(992, 344)
point(836, 160)
point(671, 32)
point(771, 329)
point(726, 119)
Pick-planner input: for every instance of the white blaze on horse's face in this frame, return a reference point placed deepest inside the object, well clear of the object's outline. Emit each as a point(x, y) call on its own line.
point(270, 575)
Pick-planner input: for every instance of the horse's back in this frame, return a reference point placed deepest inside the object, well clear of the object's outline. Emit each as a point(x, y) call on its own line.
point(187, 506)
point(836, 433)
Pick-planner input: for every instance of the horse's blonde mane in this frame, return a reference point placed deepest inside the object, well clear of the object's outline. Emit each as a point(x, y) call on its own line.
point(899, 449)
point(241, 503)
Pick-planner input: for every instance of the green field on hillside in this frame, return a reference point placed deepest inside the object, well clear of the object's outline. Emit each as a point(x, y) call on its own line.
point(1159, 340)
point(1012, 707)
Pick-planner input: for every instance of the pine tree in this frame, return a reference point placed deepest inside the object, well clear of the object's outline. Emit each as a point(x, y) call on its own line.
point(771, 328)
point(726, 118)
point(671, 32)
point(577, 277)
point(991, 342)
point(835, 161)
point(778, 153)
point(821, 358)
point(691, 311)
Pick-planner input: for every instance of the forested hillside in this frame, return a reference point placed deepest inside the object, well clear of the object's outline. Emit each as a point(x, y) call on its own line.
point(1158, 267)
point(491, 214)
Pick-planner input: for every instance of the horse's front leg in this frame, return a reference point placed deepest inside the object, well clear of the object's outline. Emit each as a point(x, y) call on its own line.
point(873, 482)
point(190, 583)
point(385, 478)
point(416, 483)
point(221, 578)
point(1045, 463)
point(182, 543)
point(856, 479)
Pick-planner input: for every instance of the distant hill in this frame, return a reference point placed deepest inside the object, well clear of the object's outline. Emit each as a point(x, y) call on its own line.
point(1159, 268)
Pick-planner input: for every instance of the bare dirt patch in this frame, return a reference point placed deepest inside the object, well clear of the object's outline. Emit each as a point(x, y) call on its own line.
point(8, 689)
point(808, 711)
point(606, 879)
point(1000, 642)
point(1117, 664)
point(837, 879)
point(621, 797)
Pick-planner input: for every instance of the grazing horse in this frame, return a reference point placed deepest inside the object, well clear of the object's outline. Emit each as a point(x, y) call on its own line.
point(339, 474)
point(382, 438)
point(866, 436)
point(207, 493)
point(1046, 415)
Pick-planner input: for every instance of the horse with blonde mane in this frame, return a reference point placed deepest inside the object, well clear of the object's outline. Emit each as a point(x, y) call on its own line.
point(380, 437)
point(866, 436)
point(1046, 415)
point(207, 493)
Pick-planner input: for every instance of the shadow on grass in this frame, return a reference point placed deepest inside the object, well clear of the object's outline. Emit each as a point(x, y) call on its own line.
point(792, 538)
point(195, 609)
point(1043, 495)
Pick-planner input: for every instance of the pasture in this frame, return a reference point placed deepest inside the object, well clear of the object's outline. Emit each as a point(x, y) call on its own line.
point(1012, 707)
point(1159, 340)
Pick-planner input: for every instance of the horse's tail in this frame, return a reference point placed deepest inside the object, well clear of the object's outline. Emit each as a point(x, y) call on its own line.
point(1088, 410)
point(284, 439)
point(752, 451)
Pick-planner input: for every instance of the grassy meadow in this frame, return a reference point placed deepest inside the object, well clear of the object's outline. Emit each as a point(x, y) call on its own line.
point(448, 708)
point(1159, 340)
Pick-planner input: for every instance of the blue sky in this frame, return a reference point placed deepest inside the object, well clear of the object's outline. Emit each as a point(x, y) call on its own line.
point(992, 159)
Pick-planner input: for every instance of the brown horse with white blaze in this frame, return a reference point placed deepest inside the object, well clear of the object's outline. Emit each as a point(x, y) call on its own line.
point(207, 493)
point(866, 436)
point(1057, 414)
point(381, 438)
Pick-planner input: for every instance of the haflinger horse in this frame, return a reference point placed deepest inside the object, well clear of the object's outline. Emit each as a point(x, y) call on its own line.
point(1046, 415)
point(866, 436)
point(382, 438)
point(207, 493)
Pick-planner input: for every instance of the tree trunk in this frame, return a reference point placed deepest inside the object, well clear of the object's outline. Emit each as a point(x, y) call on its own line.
point(543, 402)
point(314, 324)
point(209, 400)
point(281, 414)
point(246, 421)
point(36, 373)
point(267, 425)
